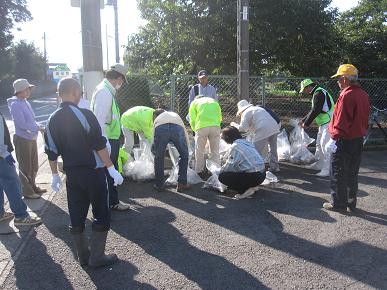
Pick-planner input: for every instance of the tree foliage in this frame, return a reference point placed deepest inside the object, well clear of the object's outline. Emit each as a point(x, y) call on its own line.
point(11, 12)
point(183, 36)
point(364, 33)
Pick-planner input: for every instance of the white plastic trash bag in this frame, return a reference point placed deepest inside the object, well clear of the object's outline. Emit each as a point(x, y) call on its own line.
point(270, 178)
point(142, 168)
point(299, 141)
point(213, 181)
point(283, 146)
point(192, 176)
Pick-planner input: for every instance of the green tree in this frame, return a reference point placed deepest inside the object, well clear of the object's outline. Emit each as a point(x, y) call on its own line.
point(11, 12)
point(182, 36)
point(364, 33)
point(28, 62)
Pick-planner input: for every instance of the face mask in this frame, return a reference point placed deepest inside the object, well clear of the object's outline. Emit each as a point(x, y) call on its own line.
point(117, 87)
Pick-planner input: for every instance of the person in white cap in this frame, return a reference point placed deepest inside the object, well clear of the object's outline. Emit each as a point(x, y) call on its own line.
point(26, 134)
point(264, 125)
point(105, 108)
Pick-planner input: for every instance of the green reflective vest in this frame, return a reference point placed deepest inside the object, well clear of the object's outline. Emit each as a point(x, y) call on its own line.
point(139, 119)
point(324, 117)
point(112, 129)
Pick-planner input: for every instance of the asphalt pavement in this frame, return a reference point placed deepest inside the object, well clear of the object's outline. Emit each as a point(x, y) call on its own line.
point(280, 238)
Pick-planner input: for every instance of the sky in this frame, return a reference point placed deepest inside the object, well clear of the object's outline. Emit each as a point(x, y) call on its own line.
point(62, 25)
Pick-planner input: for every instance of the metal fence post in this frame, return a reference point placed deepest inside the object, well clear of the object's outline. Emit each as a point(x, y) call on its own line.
point(173, 92)
point(263, 91)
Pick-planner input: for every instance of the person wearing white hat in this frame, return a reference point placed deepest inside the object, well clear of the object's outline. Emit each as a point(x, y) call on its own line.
point(264, 125)
point(26, 134)
point(105, 108)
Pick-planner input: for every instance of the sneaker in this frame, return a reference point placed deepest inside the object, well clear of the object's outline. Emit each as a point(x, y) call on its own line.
point(158, 188)
point(32, 196)
point(181, 187)
point(330, 206)
point(6, 216)
point(120, 206)
point(27, 221)
point(323, 173)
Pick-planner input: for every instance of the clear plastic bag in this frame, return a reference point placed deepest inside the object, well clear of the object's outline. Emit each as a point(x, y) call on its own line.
point(213, 181)
point(299, 140)
point(283, 146)
point(270, 178)
point(192, 176)
point(142, 168)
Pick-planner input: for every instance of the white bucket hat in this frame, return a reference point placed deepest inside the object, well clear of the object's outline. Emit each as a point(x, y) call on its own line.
point(20, 85)
point(243, 105)
point(120, 69)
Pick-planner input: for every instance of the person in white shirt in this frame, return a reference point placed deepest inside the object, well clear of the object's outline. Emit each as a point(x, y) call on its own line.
point(105, 108)
point(264, 127)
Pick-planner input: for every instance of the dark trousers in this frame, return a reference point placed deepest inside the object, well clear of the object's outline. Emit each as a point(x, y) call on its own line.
point(164, 134)
point(87, 186)
point(113, 193)
point(241, 181)
point(345, 163)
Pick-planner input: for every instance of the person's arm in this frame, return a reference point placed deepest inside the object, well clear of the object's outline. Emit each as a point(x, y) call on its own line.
point(192, 116)
point(244, 125)
point(318, 103)
point(3, 147)
point(19, 120)
point(105, 157)
point(53, 166)
point(231, 164)
point(344, 118)
point(215, 96)
point(102, 108)
point(191, 96)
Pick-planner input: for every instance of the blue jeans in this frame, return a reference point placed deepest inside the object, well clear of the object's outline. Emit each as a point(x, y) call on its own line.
point(164, 134)
point(11, 186)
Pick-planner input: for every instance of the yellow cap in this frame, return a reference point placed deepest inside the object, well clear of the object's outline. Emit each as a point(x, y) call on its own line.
point(345, 70)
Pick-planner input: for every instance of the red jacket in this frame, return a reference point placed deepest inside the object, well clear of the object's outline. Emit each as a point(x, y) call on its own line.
point(350, 117)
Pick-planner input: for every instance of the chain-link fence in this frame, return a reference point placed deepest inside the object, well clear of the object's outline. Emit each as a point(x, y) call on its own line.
point(279, 94)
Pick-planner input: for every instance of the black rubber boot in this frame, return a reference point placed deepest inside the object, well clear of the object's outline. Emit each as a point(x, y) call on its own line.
point(82, 247)
point(97, 251)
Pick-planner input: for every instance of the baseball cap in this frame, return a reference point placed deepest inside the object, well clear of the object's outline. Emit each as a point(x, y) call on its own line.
point(21, 84)
point(305, 83)
point(120, 69)
point(202, 74)
point(345, 70)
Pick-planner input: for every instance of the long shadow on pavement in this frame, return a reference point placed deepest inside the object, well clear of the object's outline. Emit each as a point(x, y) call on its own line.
point(151, 229)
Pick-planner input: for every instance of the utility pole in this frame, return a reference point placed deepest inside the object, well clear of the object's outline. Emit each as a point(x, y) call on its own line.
point(107, 48)
point(114, 3)
point(243, 49)
point(45, 56)
point(91, 45)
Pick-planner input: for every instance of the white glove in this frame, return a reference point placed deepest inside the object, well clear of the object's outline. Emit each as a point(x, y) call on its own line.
point(236, 125)
point(331, 147)
point(56, 182)
point(118, 179)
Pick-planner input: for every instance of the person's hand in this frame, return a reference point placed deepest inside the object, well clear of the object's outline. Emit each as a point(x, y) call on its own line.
point(118, 179)
point(10, 160)
point(42, 128)
point(56, 182)
point(331, 147)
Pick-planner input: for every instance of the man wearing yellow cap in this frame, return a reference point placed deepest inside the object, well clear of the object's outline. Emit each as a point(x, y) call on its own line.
point(321, 112)
point(348, 127)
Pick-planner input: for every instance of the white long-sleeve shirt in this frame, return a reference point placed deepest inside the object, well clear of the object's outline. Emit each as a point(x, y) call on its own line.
point(258, 121)
point(102, 104)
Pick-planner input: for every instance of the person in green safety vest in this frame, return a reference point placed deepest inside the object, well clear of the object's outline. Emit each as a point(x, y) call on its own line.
point(105, 108)
point(321, 112)
point(138, 119)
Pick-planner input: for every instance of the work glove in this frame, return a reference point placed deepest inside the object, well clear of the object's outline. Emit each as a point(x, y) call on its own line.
point(56, 182)
point(118, 179)
point(236, 125)
point(10, 160)
point(331, 147)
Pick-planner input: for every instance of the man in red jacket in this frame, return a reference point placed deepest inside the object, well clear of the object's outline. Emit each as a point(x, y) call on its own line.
point(348, 127)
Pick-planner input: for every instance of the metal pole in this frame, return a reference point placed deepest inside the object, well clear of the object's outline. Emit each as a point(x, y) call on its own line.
point(91, 45)
point(116, 30)
point(107, 48)
point(243, 49)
